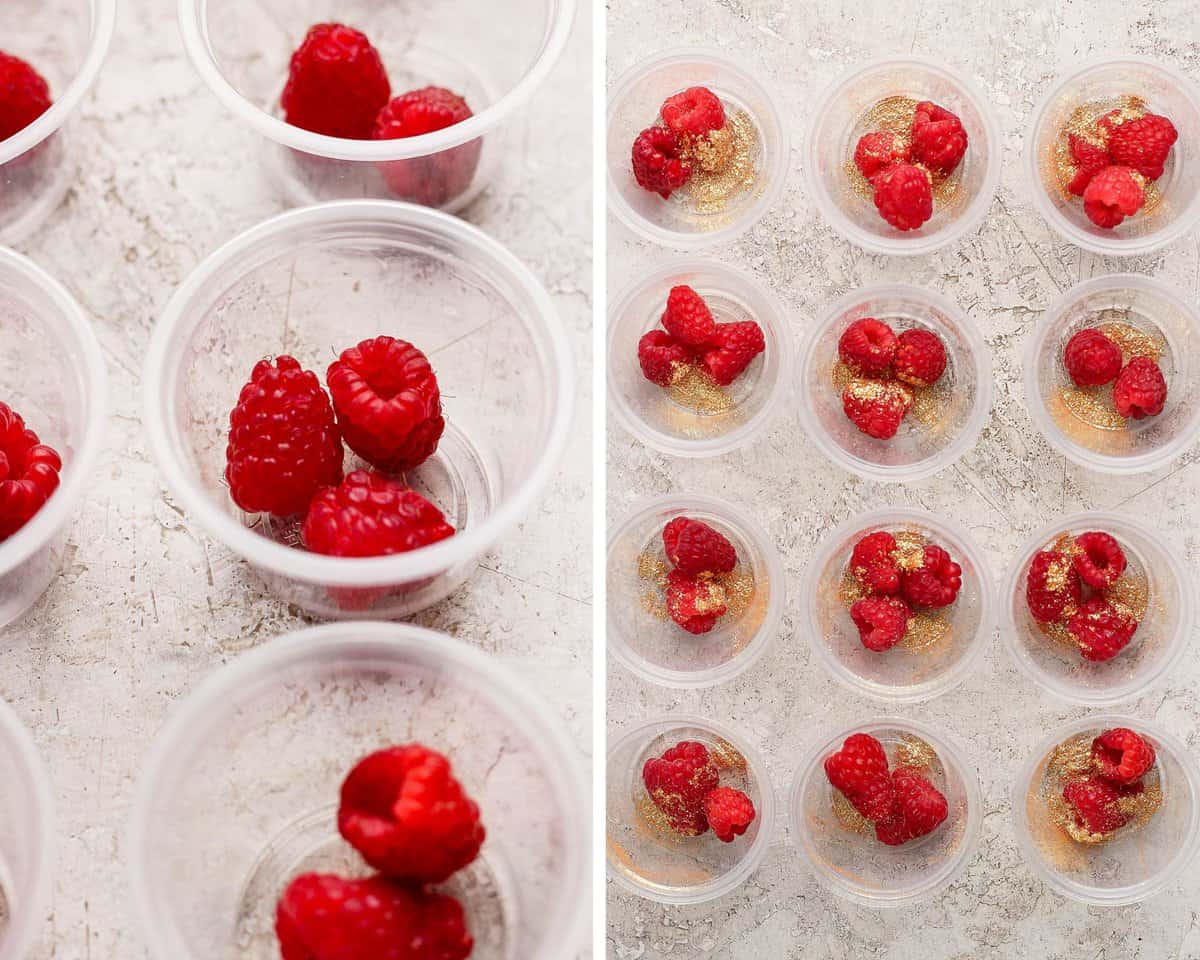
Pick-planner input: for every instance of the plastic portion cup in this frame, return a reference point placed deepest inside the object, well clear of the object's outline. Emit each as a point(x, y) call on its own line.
point(946, 419)
point(647, 857)
point(943, 645)
point(841, 847)
point(839, 120)
point(1140, 860)
point(1166, 92)
point(641, 634)
point(313, 282)
point(1162, 635)
point(494, 57)
point(247, 769)
point(52, 375)
point(66, 42)
point(689, 421)
point(684, 222)
point(1082, 424)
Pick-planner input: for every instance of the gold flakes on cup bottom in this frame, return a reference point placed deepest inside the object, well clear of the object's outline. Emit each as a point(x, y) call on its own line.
point(724, 165)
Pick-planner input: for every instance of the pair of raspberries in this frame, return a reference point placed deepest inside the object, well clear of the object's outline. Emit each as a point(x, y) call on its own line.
point(29, 472)
point(1092, 359)
point(666, 154)
point(684, 784)
point(1120, 759)
point(410, 819)
point(699, 555)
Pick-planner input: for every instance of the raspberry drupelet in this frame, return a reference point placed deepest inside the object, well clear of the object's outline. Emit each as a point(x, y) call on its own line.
point(336, 84)
point(29, 473)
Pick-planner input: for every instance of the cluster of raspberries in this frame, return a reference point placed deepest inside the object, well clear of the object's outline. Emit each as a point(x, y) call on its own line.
point(666, 154)
point(886, 370)
point(337, 86)
point(410, 820)
point(902, 803)
point(898, 582)
point(700, 556)
point(1069, 586)
point(1092, 359)
point(24, 95)
point(29, 472)
point(691, 337)
point(1114, 161)
point(684, 784)
point(902, 170)
point(1120, 759)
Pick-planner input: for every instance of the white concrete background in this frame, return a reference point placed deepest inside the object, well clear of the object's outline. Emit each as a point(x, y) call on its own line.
point(1005, 488)
point(147, 604)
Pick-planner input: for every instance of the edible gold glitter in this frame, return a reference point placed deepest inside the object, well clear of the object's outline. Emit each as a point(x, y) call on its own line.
point(928, 406)
point(713, 153)
point(1131, 595)
point(1094, 406)
point(660, 824)
point(1134, 342)
point(710, 598)
point(654, 605)
point(1141, 806)
point(1071, 759)
point(697, 391)
point(717, 178)
point(842, 375)
point(727, 757)
point(739, 587)
point(917, 754)
point(651, 566)
point(926, 629)
point(1058, 631)
point(847, 816)
point(890, 392)
point(910, 549)
point(852, 589)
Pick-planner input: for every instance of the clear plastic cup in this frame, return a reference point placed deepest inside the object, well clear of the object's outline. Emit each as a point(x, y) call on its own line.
point(640, 633)
point(842, 848)
point(1136, 863)
point(649, 859)
point(634, 103)
point(1087, 434)
point(838, 122)
point(315, 281)
point(239, 792)
point(51, 373)
point(1160, 640)
point(683, 426)
point(937, 431)
point(1166, 91)
point(947, 643)
point(495, 57)
point(66, 41)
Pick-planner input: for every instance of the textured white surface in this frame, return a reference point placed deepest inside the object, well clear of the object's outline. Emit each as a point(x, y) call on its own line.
point(146, 604)
point(1010, 484)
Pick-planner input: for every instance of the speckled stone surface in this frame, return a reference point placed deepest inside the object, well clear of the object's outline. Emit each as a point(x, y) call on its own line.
point(1010, 484)
point(146, 604)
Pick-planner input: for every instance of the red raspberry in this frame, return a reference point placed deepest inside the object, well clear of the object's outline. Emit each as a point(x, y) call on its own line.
point(696, 549)
point(694, 604)
point(878, 151)
point(687, 317)
point(657, 163)
point(662, 357)
point(737, 344)
point(919, 808)
point(1089, 161)
point(436, 179)
point(1143, 144)
point(678, 782)
point(935, 583)
point(24, 95)
point(1052, 587)
point(28, 473)
point(1100, 560)
point(729, 812)
point(324, 917)
point(904, 196)
point(388, 403)
point(929, 112)
point(1092, 359)
point(1121, 756)
point(1112, 195)
point(1140, 390)
point(1100, 629)
point(694, 113)
point(868, 347)
point(371, 515)
point(337, 83)
point(876, 407)
point(860, 772)
point(1096, 806)
point(881, 621)
point(873, 563)
point(939, 139)
point(404, 812)
point(920, 358)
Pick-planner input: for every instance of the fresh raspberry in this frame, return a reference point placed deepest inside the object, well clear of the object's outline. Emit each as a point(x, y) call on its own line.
point(1140, 390)
point(662, 357)
point(404, 812)
point(1143, 144)
point(881, 621)
point(918, 809)
point(696, 549)
point(1122, 756)
point(687, 317)
point(1112, 195)
point(1100, 629)
point(371, 515)
point(935, 583)
point(868, 347)
point(904, 196)
point(436, 179)
point(1095, 805)
point(657, 162)
point(860, 772)
point(678, 782)
point(920, 358)
point(337, 83)
point(929, 112)
point(1052, 587)
point(694, 113)
point(877, 151)
point(28, 473)
point(1091, 358)
point(876, 407)
point(325, 917)
point(1100, 560)
point(729, 812)
point(1089, 159)
point(693, 603)
point(737, 344)
point(873, 563)
point(388, 403)
point(24, 95)
point(939, 139)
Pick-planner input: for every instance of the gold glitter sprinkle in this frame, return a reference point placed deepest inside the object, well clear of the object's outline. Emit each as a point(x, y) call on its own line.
point(890, 392)
point(931, 407)
point(847, 816)
point(925, 630)
point(723, 169)
point(1142, 806)
point(697, 391)
point(739, 587)
point(910, 550)
point(842, 375)
point(652, 566)
point(1133, 341)
point(1071, 759)
point(713, 153)
point(1094, 406)
point(649, 813)
point(653, 604)
point(727, 757)
point(852, 589)
point(1131, 595)
point(917, 754)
